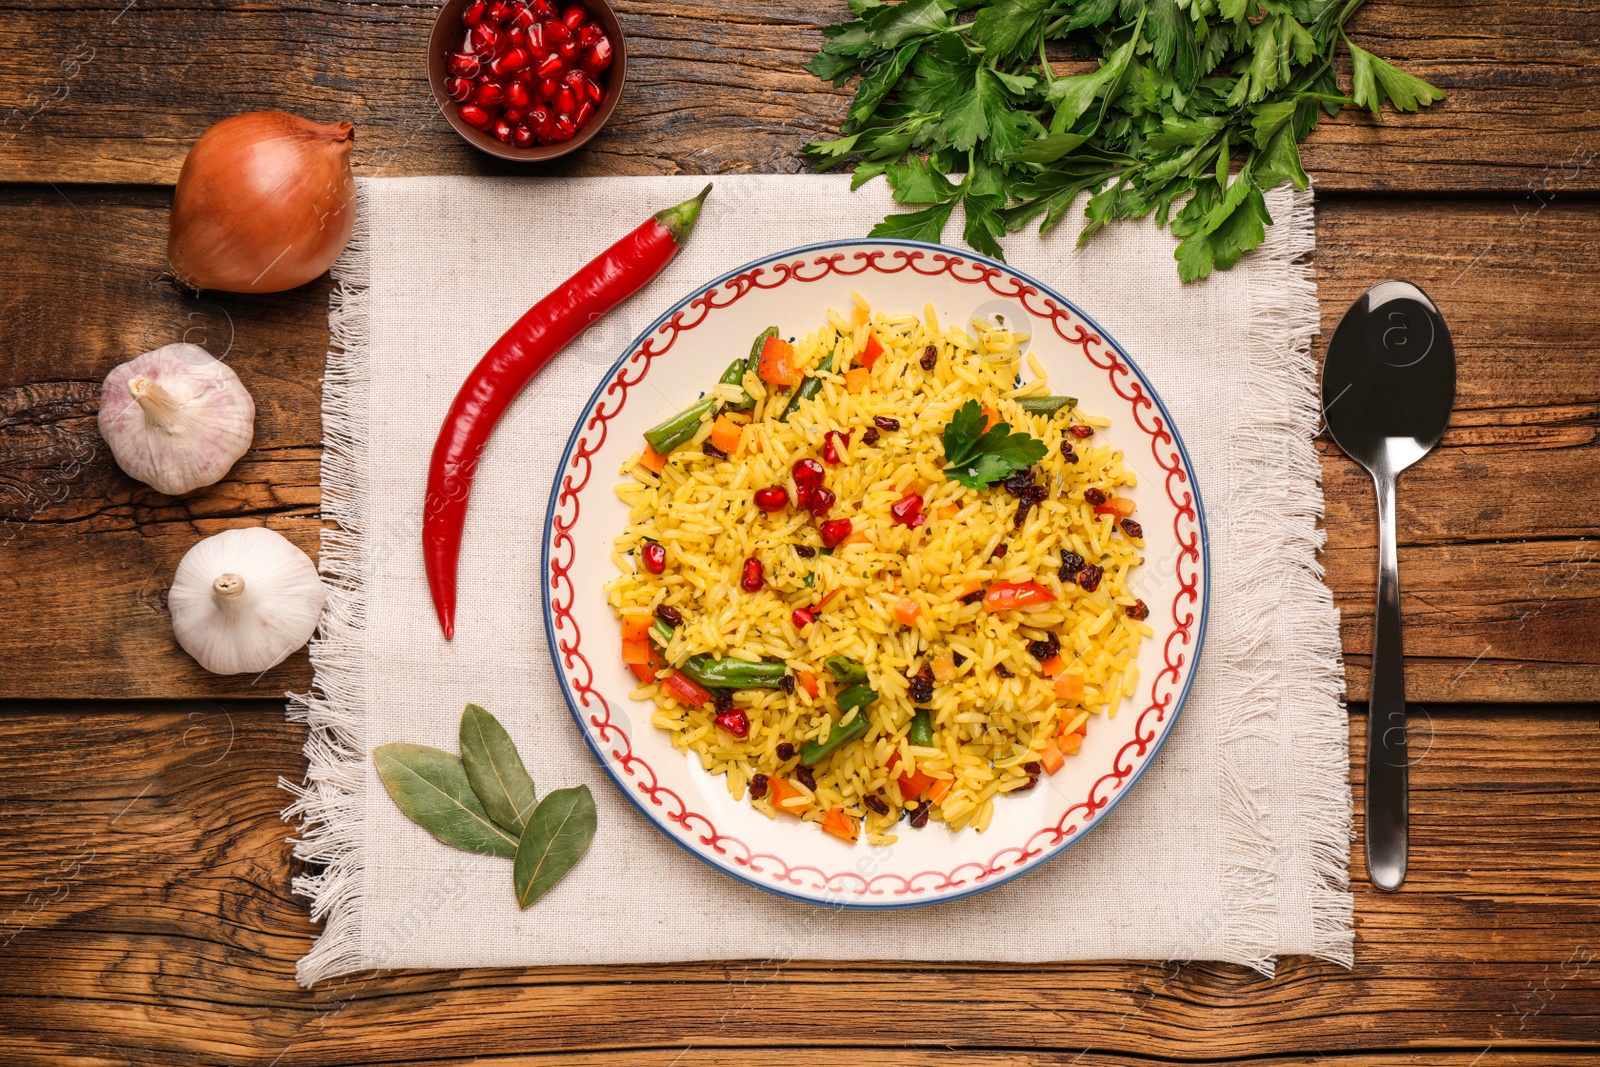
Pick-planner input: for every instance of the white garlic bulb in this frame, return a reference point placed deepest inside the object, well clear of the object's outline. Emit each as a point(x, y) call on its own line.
point(176, 418)
point(242, 600)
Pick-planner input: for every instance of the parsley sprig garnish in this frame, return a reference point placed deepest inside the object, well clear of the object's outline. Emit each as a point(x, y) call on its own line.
point(1196, 103)
point(979, 458)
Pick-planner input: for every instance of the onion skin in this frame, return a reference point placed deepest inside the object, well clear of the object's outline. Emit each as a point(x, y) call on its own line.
point(265, 202)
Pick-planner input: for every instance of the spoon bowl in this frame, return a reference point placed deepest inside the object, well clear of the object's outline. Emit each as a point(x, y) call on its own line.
point(1388, 387)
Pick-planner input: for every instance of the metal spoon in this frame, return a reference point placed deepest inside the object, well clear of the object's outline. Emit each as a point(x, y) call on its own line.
point(1388, 384)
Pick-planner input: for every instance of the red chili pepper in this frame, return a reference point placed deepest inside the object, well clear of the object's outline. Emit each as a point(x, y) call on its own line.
point(1003, 596)
point(686, 690)
point(546, 328)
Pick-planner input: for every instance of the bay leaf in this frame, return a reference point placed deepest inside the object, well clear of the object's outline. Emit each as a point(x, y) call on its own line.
point(557, 836)
point(430, 786)
point(495, 771)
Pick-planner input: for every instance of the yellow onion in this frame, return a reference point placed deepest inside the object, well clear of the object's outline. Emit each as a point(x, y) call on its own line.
point(265, 202)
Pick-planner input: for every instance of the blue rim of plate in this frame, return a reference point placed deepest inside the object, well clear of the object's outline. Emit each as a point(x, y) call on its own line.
point(549, 618)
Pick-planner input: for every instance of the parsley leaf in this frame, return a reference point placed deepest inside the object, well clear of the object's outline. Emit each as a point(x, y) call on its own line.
point(979, 458)
point(1195, 110)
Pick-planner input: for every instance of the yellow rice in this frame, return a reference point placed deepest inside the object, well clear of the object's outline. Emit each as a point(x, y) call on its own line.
point(986, 728)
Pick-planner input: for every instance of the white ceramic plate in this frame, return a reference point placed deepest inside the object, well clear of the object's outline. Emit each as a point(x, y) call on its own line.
point(663, 371)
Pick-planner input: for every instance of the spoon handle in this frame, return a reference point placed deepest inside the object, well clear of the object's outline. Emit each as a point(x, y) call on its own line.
point(1387, 767)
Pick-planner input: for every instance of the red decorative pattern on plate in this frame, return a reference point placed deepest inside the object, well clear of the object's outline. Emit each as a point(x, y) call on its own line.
point(1164, 689)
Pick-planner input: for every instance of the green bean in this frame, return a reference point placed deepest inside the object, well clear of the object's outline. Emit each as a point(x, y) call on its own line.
point(678, 429)
point(857, 697)
point(921, 732)
point(846, 670)
point(808, 389)
point(770, 333)
point(1046, 405)
point(735, 673)
point(661, 633)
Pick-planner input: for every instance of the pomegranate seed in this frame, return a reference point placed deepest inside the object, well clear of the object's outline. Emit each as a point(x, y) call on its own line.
point(566, 101)
point(539, 119)
point(589, 34)
point(512, 61)
point(1080, 430)
point(525, 18)
point(474, 13)
point(544, 9)
point(736, 722)
point(522, 136)
point(568, 51)
point(808, 473)
point(513, 116)
point(574, 16)
point(822, 500)
point(591, 86)
point(655, 557)
point(475, 116)
point(488, 94)
point(484, 37)
point(517, 96)
point(499, 11)
point(460, 89)
point(833, 531)
point(516, 36)
point(534, 35)
point(585, 109)
point(1139, 610)
point(549, 67)
point(751, 580)
point(503, 132)
point(830, 447)
point(598, 56)
point(907, 510)
point(802, 618)
point(555, 31)
point(1093, 496)
point(573, 79)
point(773, 498)
point(547, 88)
point(464, 64)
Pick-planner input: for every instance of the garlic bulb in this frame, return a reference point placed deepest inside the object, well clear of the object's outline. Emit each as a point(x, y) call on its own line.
point(176, 419)
point(242, 600)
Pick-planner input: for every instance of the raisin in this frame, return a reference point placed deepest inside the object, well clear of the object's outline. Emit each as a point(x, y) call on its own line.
point(870, 438)
point(1032, 781)
point(973, 597)
point(1071, 563)
point(1131, 528)
point(1023, 508)
point(1018, 483)
point(1067, 453)
point(930, 356)
point(807, 779)
point(670, 616)
point(1043, 649)
point(713, 451)
point(787, 683)
point(1094, 496)
point(957, 658)
point(1003, 671)
point(1081, 431)
point(919, 817)
point(758, 786)
point(876, 804)
point(1032, 766)
point(1140, 610)
point(785, 751)
point(885, 423)
point(723, 699)
point(1035, 494)
point(1000, 551)
point(804, 551)
point(1089, 577)
point(922, 688)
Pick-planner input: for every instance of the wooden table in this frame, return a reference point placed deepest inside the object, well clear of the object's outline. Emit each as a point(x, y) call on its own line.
point(145, 909)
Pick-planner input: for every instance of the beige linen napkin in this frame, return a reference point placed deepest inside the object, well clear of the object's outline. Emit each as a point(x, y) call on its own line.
point(1234, 846)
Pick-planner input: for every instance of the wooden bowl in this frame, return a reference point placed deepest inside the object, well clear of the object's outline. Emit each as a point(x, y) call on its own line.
point(446, 37)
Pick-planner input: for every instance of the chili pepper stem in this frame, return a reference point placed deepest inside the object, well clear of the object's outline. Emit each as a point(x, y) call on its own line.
point(680, 218)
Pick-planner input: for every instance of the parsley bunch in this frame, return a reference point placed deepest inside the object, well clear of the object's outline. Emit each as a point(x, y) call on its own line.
point(1196, 109)
point(978, 458)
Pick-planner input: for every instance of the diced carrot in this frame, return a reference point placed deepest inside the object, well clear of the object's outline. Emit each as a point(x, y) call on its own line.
point(776, 365)
point(991, 416)
point(1122, 506)
point(646, 669)
point(870, 351)
point(652, 459)
point(635, 628)
point(906, 611)
point(948, 511)
point(1071, 743)
point(725, 434)
point(1052, 667)
point(1069, 686)
point(781, 789)
point(970, 587)
point(857, 537)
point(856, 379)
point(944, 667)
point(940, 789)
point(912, 786)
point(636, 651)
point(841, 824)
point(1051, 758)
point(808, 682)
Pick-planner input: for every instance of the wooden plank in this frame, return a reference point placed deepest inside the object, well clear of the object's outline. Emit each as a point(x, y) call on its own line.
point(1499, 556)
point(145, 914)
point(111, 92)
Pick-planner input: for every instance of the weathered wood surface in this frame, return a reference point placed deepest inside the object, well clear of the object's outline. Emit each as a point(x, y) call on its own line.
point(116, 91)
point(1498, 557)
point(145, 917)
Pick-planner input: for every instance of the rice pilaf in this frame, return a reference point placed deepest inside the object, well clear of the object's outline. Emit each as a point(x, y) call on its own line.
point(953, 644)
